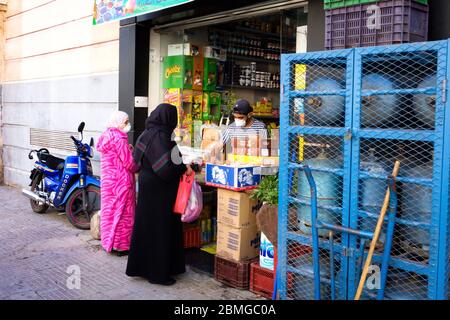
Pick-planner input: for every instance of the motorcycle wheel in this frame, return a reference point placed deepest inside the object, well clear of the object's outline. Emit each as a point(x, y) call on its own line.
point(74, 207)
point(35, 205)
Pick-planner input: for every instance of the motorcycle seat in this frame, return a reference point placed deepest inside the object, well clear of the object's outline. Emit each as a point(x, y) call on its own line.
point(52, 162)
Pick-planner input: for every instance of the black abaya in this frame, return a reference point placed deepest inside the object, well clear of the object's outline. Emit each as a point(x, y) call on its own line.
point(157, 251)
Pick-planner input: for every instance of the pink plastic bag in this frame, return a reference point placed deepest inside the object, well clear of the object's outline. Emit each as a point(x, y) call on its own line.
point(184, 190)
point(195, 204)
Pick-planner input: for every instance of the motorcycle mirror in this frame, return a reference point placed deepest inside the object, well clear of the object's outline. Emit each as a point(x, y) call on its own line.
point(92, 142)
point(81, 127)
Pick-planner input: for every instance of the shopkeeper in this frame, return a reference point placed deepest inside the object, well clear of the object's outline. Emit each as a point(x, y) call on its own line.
point(244, 124)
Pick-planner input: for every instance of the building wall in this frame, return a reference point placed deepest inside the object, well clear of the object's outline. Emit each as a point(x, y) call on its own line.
point(2, 50)
point(59, 70)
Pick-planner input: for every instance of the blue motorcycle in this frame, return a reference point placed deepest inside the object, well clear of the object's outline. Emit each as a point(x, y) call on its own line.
point(67, 185)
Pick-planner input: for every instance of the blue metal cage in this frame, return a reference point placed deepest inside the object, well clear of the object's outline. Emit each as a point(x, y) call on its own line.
point(349, 115)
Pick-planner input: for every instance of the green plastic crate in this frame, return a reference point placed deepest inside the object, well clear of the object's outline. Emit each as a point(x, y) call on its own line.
point(333, 4)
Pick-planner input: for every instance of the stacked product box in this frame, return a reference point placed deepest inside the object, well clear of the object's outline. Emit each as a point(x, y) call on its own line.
point(238, 238)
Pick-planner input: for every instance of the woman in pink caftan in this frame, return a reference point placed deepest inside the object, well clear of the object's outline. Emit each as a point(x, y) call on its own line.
point(118, 187)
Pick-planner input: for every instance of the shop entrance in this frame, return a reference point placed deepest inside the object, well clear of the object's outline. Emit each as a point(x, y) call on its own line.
point(204, 70)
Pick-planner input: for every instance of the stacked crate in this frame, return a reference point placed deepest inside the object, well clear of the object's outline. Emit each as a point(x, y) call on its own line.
point(237, 237)
point(362, 23)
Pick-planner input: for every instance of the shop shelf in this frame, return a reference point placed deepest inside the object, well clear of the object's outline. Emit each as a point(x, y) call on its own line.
point(253, 59)
point(334, 4)
point(232, 273)
point(266, 35)
point(402, 21)
point(192, 237)
point(250, 88)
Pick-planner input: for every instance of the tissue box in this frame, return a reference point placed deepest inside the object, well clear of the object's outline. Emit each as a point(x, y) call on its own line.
point(236, 178)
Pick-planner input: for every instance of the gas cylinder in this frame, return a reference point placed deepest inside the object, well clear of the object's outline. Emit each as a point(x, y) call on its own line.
point(377, 109)
point(303, 284)
point(424, 104)
point(328, 194)
point(324, 110)
point(416, 206)
point(373, 191)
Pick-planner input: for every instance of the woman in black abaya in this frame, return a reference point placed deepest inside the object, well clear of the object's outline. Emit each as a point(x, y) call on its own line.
point(156, 251)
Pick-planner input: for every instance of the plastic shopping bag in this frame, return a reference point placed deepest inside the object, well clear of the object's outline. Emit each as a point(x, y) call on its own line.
point(184, 191)
point(195, 204)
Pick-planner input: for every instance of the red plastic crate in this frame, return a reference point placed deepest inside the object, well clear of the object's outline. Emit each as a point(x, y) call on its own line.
point(401, 21)
point(192, 237)
point(232, 273)
point(262, 280)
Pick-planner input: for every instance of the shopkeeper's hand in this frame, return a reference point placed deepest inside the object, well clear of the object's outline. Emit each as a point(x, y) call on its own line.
point(189, 170)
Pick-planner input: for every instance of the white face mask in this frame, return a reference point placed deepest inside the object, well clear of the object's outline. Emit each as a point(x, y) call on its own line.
point(127, 128)
point(240, 122)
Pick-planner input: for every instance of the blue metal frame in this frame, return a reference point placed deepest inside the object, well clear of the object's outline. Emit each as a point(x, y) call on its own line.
point(437, 269)
point(444, 222)
point(289, 167)
point(283, 177)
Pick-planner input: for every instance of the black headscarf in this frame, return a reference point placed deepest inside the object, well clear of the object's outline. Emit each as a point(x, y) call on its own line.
point(156, 143)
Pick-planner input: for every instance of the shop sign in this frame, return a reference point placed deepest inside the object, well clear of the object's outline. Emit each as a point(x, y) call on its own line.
point(111, 10)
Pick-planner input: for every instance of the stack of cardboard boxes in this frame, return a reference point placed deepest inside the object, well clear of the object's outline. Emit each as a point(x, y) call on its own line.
point(238, 237)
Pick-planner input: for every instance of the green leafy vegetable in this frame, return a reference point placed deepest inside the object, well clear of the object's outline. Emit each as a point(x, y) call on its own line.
point(267, 190)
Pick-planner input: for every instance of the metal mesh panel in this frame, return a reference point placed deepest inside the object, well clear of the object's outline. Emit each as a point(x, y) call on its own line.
point(321, 85)
point(447, 253)
point(319, 97)
point(412, 233)
point(324, 156)
point(397, 103)
point(398, 90)
point(301, 280)
point(349, 115)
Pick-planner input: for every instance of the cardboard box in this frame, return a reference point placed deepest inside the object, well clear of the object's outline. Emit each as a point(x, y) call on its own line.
point(255, 161)
point(254, 141)
point(233, 177)
point(237, 243)
point(242, 142)
point(265, 152)
point(210, 74)
point(254, 152)
point(178, 72)
point(197, 105)
point(198, 73)
point(173, 97)
point(215, 53)
point(180, 49)
point(210, 136)
point(211, 106)
point(236, 209)
point(239, 151)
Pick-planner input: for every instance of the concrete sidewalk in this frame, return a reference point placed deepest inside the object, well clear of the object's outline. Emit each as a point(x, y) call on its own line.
point(37, 251)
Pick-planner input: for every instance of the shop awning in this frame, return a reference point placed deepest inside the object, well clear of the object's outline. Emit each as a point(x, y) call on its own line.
point(111, 10)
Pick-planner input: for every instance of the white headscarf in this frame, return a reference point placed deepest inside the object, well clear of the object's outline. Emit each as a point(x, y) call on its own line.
point(117, 119)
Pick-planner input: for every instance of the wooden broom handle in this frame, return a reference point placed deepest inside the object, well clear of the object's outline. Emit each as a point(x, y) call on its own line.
point(376, 235)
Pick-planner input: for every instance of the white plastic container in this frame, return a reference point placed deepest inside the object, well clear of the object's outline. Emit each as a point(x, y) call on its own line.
point(266, 253)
